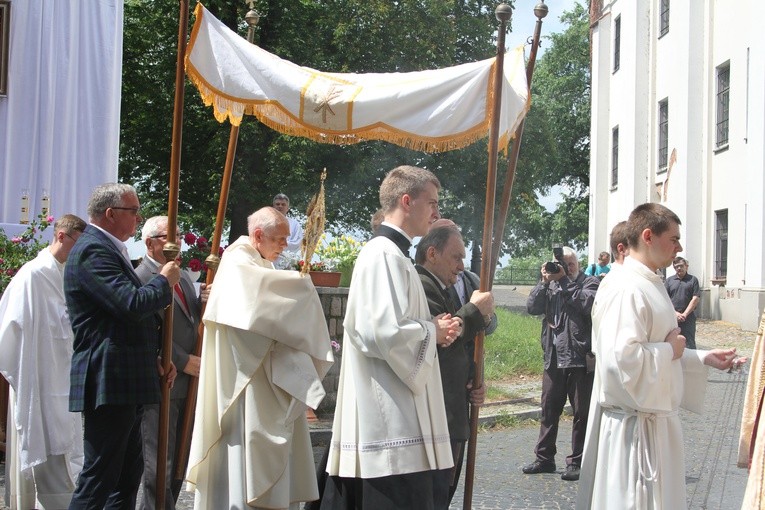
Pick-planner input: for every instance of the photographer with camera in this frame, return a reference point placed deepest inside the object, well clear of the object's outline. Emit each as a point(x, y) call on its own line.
point(565, 296)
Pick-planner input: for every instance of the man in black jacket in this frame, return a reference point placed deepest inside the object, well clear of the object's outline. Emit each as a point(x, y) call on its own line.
point(439, 258)
point(565, 298)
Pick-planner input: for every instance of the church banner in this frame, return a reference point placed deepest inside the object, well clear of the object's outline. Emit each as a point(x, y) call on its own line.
point(433, 110)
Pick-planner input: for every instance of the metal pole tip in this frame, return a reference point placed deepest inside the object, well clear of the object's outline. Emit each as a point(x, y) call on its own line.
point(540, 10)
point(503, 12)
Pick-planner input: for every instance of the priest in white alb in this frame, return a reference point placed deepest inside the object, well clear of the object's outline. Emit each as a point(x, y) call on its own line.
point(44, 450)
point(633, 454)
point(390, 445)
point(266, 349)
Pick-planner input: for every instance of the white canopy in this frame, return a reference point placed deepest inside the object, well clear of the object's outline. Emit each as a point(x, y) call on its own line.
point(432, 110)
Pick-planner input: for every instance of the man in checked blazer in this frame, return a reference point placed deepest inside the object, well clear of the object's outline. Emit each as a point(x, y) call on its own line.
point(116, 342)
point(186, 318)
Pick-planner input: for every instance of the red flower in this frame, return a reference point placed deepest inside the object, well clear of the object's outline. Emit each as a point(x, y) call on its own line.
point(189, 238)
point(201, 242)
point(195, 265)
point(221, 249)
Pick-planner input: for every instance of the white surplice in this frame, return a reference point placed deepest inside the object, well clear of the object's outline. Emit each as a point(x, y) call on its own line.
point(633, 455)
point(35, 356)
point(390, 416)
point(266, 349)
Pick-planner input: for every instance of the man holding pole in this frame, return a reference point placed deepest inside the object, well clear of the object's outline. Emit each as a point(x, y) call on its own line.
point(186, 318)
point(116, 339)
point(390, 445)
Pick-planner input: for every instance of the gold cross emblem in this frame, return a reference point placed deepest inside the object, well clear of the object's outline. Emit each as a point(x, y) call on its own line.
point(324, 106)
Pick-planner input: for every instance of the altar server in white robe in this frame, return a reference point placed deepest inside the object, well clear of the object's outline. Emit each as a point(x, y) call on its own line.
point(390, 445)
point(44, 446)
point(266, 349)
point(633, 456)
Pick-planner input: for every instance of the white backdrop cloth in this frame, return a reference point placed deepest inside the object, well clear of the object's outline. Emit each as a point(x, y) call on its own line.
point(59, 124)
point(433, 110)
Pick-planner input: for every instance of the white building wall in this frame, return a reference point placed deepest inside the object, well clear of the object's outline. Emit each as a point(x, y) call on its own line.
point(682, 67)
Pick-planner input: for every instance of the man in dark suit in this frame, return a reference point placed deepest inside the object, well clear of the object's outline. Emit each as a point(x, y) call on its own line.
point(439, 258)
point(186, 318)
point(116, 340)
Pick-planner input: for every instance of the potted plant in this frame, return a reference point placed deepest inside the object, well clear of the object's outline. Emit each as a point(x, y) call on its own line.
point(322, 274)
point(340, 253)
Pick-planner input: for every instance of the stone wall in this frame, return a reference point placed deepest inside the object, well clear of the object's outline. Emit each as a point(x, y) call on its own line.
point(333, 301)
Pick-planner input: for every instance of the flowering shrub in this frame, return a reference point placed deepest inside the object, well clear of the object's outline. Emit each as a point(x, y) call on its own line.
point(16, 251)
point(194, 256)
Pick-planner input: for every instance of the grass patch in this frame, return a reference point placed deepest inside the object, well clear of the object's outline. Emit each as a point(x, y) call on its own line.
point(514, 348)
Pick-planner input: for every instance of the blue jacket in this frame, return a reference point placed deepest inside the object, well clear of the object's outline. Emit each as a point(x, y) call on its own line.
point(115, 323)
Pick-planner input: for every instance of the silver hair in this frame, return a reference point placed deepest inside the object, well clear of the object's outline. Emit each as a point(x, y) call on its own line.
point(108, 195)
point(569, 252)
point(281, 196)
point(154, 226)
point(266, 219)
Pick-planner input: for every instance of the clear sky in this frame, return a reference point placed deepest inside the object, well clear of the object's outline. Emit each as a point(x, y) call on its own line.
point(523, 20)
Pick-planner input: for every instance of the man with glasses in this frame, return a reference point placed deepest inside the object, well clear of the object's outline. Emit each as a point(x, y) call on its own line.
point(261, 370)
point(116, 325)
point(44, 451)
point(186, 318)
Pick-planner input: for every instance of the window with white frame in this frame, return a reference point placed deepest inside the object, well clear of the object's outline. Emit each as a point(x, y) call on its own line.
point(723, 105)
point(5, 28)
point(721, 244)
point(664, 18)
point(615, 157)
point(663, 133)
point(617, 41)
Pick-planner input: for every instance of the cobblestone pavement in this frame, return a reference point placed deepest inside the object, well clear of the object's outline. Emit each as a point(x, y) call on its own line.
point(713, 481)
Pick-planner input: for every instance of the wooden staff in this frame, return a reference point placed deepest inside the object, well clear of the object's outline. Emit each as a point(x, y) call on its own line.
point(540, 11)
point(171, 250)
point(503, 13)
point(212, 261)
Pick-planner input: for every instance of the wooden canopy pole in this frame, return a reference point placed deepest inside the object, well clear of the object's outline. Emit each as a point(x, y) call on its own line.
point(503, 13)
point(540, 11)
point(171, 249)
point(212, 261)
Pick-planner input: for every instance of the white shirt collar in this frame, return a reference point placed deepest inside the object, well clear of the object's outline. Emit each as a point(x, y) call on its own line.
point(397, 229)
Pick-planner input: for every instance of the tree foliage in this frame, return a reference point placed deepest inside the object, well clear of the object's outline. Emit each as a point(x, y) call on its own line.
point(351, 36)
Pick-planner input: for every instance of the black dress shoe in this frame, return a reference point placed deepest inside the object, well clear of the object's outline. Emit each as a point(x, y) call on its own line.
point(539, 467)
point(571, 473)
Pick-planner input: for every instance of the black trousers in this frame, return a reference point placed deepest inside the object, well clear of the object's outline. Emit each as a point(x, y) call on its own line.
point(113, 462)
point(557, 385)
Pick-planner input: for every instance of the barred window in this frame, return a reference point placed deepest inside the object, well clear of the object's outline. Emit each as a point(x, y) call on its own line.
point(617, 41)
point(723, 104)
point(5, 28)
point(663, 133)
point(721, 244)
point(615, 157)
point(664, 18)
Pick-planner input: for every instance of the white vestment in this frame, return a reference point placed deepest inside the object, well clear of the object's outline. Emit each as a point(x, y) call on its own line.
point(390, 417)
point(633, 454)
point(261, 369)
point(35, 357)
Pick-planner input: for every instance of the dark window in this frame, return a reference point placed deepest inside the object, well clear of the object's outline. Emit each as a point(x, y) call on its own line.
point(663, 133)
point(617, 41)
point(723, 104)
point(721, 244)
point(615, 157)
point(664, 18)
point(5, 29)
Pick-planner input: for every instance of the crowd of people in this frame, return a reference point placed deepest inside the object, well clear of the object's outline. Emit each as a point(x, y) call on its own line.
point(618, 343)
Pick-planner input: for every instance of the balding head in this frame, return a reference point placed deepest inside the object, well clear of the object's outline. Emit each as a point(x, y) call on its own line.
point(268, 230)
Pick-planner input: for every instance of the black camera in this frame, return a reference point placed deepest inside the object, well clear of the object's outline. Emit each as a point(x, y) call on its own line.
point(557, 265)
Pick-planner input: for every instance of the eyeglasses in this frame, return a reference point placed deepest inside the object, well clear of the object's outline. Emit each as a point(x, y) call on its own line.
point(135, 210)
point(70, 237)
point(158, 236)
